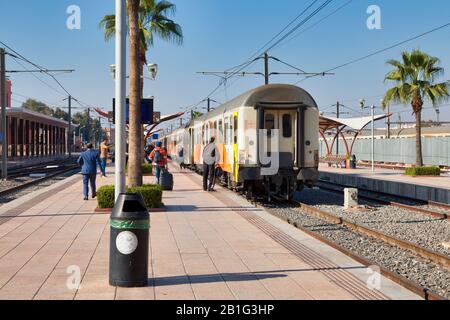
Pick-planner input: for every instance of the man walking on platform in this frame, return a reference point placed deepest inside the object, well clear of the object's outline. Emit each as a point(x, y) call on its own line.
point(89, 160)
point(104, 151)
point(211, 157)
point(159, 160)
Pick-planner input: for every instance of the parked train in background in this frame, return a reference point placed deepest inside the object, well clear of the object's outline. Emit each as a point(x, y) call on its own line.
point(267, 139)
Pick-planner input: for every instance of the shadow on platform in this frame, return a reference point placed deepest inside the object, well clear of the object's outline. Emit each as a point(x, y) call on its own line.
point(232, 277)
point(192, 208)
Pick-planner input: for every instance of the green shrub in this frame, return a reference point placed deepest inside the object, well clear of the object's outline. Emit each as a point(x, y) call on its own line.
point(105, 197)
point(423, 171)
point(152, 195)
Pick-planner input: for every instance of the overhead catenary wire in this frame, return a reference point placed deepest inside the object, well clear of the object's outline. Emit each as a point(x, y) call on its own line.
point(381, 50)
point(296, 35)
point(235, 70)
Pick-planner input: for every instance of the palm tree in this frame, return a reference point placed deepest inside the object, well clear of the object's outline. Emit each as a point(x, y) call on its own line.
point(415, 79)
point(135, 153)
point(153, 22)
point(152, 18)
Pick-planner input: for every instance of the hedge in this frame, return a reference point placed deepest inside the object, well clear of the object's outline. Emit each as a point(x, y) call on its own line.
point(423, 171)
point(151, 193)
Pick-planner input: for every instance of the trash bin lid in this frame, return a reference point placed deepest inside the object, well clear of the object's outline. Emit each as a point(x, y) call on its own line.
point(130, 206)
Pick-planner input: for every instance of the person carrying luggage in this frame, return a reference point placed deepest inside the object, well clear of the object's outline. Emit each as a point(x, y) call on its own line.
point(211, 158)
point(159, 160)
point(89, 161)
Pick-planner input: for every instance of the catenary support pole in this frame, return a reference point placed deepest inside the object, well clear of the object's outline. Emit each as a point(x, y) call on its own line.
point(337, 116)
point(69, 135)
point(266, 68)
point(373, 137)
point(3, 128)
point(120, 133)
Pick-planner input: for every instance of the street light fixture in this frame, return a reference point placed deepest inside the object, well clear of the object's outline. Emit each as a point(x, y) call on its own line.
point(152, 70)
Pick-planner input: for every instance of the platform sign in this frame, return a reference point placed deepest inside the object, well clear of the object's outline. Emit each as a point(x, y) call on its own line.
point(155, 136)
point(146, 111)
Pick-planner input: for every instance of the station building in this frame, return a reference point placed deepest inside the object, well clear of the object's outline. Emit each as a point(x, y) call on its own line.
point(32, 134)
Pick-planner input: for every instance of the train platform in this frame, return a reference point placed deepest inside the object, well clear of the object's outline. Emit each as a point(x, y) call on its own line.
point(203, 246)
point(391, 181)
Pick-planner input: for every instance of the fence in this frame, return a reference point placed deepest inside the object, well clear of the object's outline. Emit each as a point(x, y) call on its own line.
point(435, 150)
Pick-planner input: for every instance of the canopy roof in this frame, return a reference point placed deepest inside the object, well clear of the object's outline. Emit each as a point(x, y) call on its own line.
point(327, 123)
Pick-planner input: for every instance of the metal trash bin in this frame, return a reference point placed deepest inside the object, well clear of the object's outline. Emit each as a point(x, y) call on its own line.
point(129, 242)
point(353, 162)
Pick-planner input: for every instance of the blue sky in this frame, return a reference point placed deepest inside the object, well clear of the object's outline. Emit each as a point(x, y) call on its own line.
point(220, 34)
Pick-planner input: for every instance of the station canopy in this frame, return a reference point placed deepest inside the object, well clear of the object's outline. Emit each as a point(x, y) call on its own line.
point(328, 125)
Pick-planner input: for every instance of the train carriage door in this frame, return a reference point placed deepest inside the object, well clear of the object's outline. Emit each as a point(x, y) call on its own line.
point(235, 146)
point(285, 122)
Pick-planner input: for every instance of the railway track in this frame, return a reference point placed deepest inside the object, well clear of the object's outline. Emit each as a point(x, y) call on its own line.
point(331, 221)
point(422, 291)
point(37, 181)
point(406, 245)
point(48, 167)
point(442, 210)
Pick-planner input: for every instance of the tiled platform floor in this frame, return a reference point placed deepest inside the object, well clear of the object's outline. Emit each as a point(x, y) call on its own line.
point(206, 246)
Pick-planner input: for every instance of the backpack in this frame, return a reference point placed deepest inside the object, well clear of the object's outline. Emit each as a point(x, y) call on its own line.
point(158, 157)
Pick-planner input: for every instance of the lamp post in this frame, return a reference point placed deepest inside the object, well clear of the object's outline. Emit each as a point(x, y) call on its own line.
point(120, 87)
point(362, 103)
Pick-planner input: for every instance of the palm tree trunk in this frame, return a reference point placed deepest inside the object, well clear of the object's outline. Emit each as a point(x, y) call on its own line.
point(142, 62)
point(135, 137)
point(419, 159)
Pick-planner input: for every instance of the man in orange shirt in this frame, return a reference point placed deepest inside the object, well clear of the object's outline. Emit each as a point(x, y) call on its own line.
point(159, 160)
point(104, 151)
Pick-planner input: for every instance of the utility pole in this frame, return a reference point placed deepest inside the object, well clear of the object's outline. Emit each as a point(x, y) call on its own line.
point(373, 137)
point(74, 140)
point(69, 136)
point(266, 68)
point(120, 134)
point(209, 104)
point(337, 116)
point(89, 123)
point(181, 122)
point(3, 127)
point(389, 123)
point(437, 114)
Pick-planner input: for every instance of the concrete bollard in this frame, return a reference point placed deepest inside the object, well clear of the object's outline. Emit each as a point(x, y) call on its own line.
point(350, 198)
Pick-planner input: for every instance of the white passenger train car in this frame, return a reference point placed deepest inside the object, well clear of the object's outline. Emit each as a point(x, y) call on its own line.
point(267, 139)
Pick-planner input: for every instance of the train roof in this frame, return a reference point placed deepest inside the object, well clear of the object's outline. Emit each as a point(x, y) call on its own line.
point(271, 94)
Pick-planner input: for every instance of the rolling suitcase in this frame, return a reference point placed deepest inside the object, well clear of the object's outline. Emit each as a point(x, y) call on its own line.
point(166, 180)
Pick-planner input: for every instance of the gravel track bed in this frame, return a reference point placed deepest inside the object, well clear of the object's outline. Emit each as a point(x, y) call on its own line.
point(14, 182)
point(419, 270)
point(15, 195)
point(426, 231)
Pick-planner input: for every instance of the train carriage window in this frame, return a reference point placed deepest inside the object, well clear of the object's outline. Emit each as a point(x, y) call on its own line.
point(287, 126)
point(227, 131)
point(235, 128)
point(215, 130)
point(269, 123)
point(220, 138)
